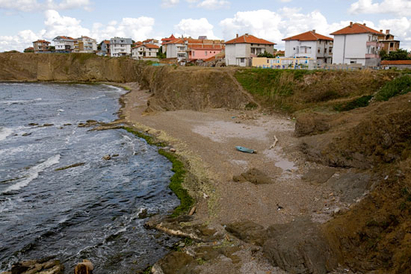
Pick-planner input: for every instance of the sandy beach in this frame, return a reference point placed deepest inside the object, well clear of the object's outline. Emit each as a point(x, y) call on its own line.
point(207, 140)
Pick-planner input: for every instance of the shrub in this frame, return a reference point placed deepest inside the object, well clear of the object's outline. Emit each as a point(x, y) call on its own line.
point(398, 86)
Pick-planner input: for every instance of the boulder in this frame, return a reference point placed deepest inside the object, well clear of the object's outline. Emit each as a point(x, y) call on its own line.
point(299, 247)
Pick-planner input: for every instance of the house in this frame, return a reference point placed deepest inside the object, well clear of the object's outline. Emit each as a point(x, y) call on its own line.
point(120, 46)
point(105, 48)
point(165, 41)
point(145, 51)
point(41, 46)
point(309, 45)
point(357, 44)
point(398, 64)
point(204, 51)
point(85, 44)
point(388, 42)
point(151, 41)
point(29, 50)
point(240, 50)
point(64, 44)
point(189, 49)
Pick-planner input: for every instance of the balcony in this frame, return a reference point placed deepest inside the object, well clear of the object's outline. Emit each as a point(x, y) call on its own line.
point(374, 44)
point(371, 56)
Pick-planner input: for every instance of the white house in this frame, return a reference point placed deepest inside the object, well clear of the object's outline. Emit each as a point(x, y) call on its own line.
point(64, 44)
point(240, 50)
point(85, 44)
point(357, 44)
point(145, 51)
point(120, 46)
point(177, 49)
point(309, 45)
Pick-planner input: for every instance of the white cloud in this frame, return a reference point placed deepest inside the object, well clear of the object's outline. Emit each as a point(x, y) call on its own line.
point(57, 25)
point(195, 28)
point(20, 41)
point(400, 28)
point(34, 5)
point(396, 7)
point(169, 3)
point(275, 26)
point(213, 4)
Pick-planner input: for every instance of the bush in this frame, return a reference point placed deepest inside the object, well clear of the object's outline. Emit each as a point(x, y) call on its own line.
point(398, 86)
point(363, 101)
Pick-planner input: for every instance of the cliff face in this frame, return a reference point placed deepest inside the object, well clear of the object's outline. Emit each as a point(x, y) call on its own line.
point(172, 88)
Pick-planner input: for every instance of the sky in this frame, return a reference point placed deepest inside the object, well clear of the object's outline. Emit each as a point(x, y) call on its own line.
point(25, 21)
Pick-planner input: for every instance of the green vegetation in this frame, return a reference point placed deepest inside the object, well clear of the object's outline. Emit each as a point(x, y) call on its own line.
point(398, 86)
point(176, 181)
point(266, 54)
point(399, 54)
point(296, 90)
point(363, 101)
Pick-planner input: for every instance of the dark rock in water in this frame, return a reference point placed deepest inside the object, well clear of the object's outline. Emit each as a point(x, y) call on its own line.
point(26, 134)
point(70, 166)
point(107, 157)
point(254, 176)
point(43, 266)
point(48, 125)
point(248, 232)
point(174, 261)
point(68, 124)
point(299, 247)
point(33, 124)
point(143, 214)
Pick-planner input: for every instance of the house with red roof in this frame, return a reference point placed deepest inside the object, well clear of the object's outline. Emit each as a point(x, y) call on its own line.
point(41, 46)
point(240, 50)
point(357, 44)
point(64, 44)
point(189, 49)
point(142, 51)
point(310, 45)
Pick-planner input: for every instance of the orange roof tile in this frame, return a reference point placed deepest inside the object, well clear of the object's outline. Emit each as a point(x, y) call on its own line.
point(151, 46)
point(308, 36)
point(249, 39)
point(396, 62)
point(356, 28)
point(42, 41)
point(207, 47)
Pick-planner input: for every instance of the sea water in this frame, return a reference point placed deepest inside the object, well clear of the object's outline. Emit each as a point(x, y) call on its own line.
point(59, 197)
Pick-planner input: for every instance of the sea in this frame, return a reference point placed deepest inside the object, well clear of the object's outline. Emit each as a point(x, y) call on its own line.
point(59, 195)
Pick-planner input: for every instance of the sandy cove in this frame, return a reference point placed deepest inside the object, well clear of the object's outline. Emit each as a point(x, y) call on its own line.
point(207, 141)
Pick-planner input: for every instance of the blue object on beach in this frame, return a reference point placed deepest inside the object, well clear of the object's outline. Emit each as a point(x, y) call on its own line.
point(244, 149)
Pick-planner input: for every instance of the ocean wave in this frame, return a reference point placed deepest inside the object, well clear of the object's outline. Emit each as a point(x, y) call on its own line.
point(5, 132)
point(20, 102)
point(33, 173)
point(116, 89)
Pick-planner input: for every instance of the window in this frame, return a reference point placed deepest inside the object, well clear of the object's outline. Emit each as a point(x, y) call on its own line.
point(318, 50)
point(242, 60)
point(391, 45)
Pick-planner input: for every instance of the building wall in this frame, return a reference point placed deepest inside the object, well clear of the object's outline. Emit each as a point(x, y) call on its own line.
point(350, 48)
point(203, 54)
point(283, 62)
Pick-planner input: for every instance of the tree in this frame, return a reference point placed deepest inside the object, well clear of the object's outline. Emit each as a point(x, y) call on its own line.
point(266, 54)
point(399, 54)
point(383, 54)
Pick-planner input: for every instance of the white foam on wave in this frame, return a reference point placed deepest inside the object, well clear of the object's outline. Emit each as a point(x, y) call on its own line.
point(117, 89)
point(20, 102)
point(33, 173)
point(5, 132)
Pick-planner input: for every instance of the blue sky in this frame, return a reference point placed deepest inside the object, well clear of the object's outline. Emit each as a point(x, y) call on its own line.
point(24, 21)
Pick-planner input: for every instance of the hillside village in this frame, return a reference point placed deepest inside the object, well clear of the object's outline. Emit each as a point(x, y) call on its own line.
point(355, 46)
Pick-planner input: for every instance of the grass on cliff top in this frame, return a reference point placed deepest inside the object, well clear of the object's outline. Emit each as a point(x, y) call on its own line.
point(398, 86)
point(176, 181)
point(295, 90)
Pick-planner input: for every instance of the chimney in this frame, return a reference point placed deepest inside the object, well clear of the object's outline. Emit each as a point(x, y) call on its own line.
point(350, 24)
point(387, 31)
point(246, 35)
point(380, 30)
point(237, 35)
point(314, 30)
point(364, 24)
